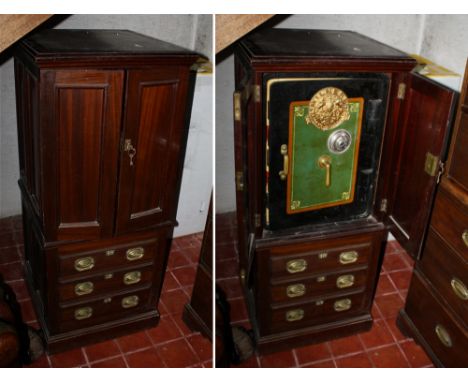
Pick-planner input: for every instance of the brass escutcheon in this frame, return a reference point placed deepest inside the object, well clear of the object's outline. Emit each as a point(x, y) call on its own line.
point(459, 288)
point(130, 301)
point(345, 281)
point(86, 287)
point(295, 290)
point(83, 313)
point(294, 315)
point(443, 335)
point(135, 253)
point(342, 305)
point(320, 279)
point(132, 277)
point(295, 266)
point(110, 252)
point(348, 257)
point(84, 264)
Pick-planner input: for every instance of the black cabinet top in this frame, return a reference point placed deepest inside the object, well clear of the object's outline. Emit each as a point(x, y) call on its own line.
point(305, 43)
point(102, 42)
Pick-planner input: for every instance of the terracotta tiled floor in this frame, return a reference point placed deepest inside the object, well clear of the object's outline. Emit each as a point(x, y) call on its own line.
point(170, 344)
point(383, 346)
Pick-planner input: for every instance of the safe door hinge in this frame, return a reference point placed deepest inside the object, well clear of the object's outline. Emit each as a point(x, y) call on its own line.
point(383, 205)
point(401, 91)
point(258, 220)
point(239, 181)
point(237, 106)
point(256, 93)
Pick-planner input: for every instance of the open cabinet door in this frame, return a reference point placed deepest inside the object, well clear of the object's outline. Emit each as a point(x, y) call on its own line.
point(420, 150)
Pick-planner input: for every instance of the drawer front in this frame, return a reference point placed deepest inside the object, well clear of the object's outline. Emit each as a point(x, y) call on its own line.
point(96, 285)
point(446, 336)
point(106, 258)
point(447, 272)
point(450, 220)
point(78, 315)
point(319, 311)
point(306, 288)
point(319, 256)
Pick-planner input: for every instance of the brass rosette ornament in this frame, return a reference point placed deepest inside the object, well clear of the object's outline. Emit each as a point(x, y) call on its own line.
point(328, 108)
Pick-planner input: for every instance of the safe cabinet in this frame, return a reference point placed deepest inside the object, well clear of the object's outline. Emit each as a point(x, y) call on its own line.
point(337, 142)
point(102, 122)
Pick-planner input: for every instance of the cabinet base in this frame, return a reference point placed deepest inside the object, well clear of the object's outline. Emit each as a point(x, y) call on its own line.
point(196, 324)
point(407, 327)
point(55, 343)
point(307, 336)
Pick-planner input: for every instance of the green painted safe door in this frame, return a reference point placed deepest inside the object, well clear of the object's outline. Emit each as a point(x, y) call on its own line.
point(322, 156)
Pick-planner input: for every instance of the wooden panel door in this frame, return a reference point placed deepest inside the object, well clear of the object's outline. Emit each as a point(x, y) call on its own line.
point(423, 134)
point(80, 123)
point(154, 133)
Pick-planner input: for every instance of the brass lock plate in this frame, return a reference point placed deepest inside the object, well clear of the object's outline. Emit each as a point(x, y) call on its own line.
point(322, 162)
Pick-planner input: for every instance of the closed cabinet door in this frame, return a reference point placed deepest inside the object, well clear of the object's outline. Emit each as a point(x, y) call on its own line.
point(154, 133)
point(80, 146)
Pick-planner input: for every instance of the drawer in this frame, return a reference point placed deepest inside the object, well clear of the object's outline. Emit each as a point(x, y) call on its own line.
point(106, 258)
point(446, 336)
point(318, 311)
point(98, 284)
point(306, 288)
point(450, 220)
point(321, 255)
point(77, 315)
point(447, 272)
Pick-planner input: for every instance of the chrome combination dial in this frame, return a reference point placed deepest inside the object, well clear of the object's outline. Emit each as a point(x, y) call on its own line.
point(339, 141)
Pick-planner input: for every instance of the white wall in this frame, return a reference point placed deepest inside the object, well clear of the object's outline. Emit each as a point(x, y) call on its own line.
point(189, 31)
point(443, 39)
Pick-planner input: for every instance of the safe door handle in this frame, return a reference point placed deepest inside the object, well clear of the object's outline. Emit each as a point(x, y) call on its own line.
point(284, 172)
point(325, 162)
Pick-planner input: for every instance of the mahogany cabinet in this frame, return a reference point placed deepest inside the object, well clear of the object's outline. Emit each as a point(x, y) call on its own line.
point(337, 142)
point(103, 119)
point(436, 309)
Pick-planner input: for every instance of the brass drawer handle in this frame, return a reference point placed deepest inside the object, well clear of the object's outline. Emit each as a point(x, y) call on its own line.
point(459, 288)
point(465, 237)
point(348, 257)
point(135, 253)
point(130, 301)
point(342, 305)
point(132, 277)
point(443, 335)
point(83, 313)
point(295, 290)
point(295, 266)
point(84, 288)
point(294, 315)
point(84, 264)
point(345, 281)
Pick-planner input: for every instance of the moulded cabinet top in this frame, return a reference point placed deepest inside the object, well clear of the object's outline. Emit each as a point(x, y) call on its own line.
point(57, 44)
point(300, 44)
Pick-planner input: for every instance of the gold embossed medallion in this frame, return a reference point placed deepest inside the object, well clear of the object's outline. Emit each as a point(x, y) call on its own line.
point(328, 108)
